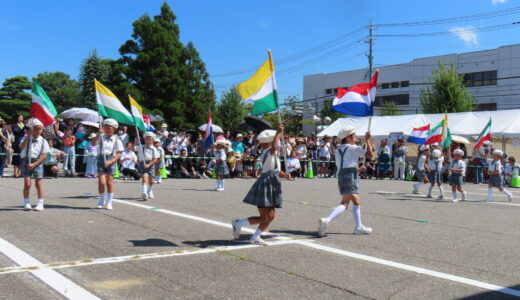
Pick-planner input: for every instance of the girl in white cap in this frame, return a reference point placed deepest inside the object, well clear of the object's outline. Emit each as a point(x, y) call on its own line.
point(33, 152)
point(435, 172)
point(421, 168)
point(160, 160)
point(90, 156)
point(266, 192)
point(109, 151)
point(347, 158)
point(457, 170)
point(147, 167)
point(221, 167)
point(495, 176)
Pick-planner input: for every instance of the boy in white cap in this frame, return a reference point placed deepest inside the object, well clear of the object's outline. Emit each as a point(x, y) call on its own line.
point(147, 167)
point(435, 172)
point(33, 152)
point(160, 161)
point(266, 192)
point(109, 151)
point(421, 168)
point(495, 176)
point(347, 157)
point(221, 167)
point(457, 170)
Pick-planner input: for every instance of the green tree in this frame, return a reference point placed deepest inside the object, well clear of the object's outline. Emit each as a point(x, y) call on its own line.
point(447, 92)
point(327, 111)
point(93, 67)
point(231, 110)
point(389, 108)
point(14, 99)
point(63, 91)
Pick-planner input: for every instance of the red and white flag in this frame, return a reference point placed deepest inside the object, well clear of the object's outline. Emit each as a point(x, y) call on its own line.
point(358, 99)
point(485, 135)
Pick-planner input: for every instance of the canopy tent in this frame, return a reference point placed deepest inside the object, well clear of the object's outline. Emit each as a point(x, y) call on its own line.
point(505, 123)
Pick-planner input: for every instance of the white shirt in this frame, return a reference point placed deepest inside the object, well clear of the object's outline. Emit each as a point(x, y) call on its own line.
point(38, 146)
point(385, 149)
point(293, 164)
point(508, 168)
point(220, 155)
point(301, 149)
point(128, 164)
point(421, 162)
point(325, 150)
point(124, 139)
point(351, 156)
point(182, 142)
point(436, 163)
point(404, 151)
point(494, 165)
point(458, 164)
point(149, 153)
point(111, 145)
point(270, 162)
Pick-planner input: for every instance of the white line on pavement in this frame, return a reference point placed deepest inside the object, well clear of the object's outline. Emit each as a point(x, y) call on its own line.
point(448, 198)
point(52, 278)
point(389, 263)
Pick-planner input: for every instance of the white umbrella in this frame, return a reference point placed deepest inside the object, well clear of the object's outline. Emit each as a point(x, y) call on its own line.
point(215, 128)
point(90, 123)
point(459, 139)
point(84, 114)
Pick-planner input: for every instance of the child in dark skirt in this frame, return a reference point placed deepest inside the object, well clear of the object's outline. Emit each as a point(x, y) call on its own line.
point(347, 157)
point(149, 157)
point(221, 167)
point(266, 192)
point(457, 170)
point(435, 172)
point(495, 176)
point(421, 168)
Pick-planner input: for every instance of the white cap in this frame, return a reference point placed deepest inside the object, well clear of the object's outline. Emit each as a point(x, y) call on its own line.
point(156, 140)
point(164, 125)
point(458, 152)
point(436, 153)
point(435, 144)
point(239, 135)
point(35, 122)
point(424, 147)
point(111, 122)
point(498, 152)
point(266, 136)
point(149, 134)
point(486, 143)
point(92, 135)
point(221, 142)
point(346, 131)
point(229, 150)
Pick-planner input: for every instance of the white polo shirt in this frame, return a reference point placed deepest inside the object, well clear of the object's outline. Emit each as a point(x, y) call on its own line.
point(149, 153)
point(351, 156)
point(39, 146)
point(111, 145)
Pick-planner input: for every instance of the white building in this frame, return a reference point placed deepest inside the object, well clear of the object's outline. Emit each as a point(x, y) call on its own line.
point(493, 78)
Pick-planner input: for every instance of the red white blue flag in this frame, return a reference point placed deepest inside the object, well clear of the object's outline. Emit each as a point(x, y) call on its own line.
point(208, 135)
point(358, 100)
point(419, 135)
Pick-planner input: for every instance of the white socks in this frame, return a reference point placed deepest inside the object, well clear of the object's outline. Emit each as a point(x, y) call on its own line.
point(418, 185)
point(40, 201)
point(508, 193)
point(110, 196)
point(242, 222)
point(430, 190)
point(26, 200)
point(220, 183)
point(454, 195)
point(101, 199)
point(356, 213)
point(150, 188)
point(336, 212)
point(442, 191)
point(490, 194)
point(257, 234)
point(144, 189)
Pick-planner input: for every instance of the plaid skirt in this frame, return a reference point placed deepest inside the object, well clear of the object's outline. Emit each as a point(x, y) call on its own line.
point(496, 181)
point(421, 174)
point(456, 179)
point(111, 170)
point(348, 181)
point(222, 169)
point(266, 191)
point(434, 176)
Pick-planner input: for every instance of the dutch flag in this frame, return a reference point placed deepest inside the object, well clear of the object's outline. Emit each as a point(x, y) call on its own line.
point(208, 135)
point(358, 100)
point(419, 135)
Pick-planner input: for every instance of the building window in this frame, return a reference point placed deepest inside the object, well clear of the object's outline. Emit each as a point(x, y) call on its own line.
point(486, 106)
point(405, 83)
point(335, 91)
point(400, 99)
point(480, 78)
point(328, 92)
point(385, 85)
point(395, 84)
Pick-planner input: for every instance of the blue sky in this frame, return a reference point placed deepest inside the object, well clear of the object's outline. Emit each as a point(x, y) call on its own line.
point(38, 36)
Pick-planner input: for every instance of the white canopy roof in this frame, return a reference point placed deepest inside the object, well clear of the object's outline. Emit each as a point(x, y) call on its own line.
point(504, 123)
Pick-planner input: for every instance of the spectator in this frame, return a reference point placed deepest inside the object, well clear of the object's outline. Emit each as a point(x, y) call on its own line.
point(230, 160)
point(293, 165)
point(249, 141)
point(128, 160)
point(239, 163)
point(4, 145)
point(69, 164)
point(123, 135)
point(508, 169)
point(90, 156)
point(19, 130)
point(383, 147)
point(324, 154)
point(400, 153)
point(301, 152)
point(183, 167)
point(238, 145)
point(182, 141)
point(50, 165)
point(81, 135)
point(249, 164)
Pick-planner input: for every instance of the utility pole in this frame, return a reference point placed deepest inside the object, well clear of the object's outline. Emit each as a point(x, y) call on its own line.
point(370, 50)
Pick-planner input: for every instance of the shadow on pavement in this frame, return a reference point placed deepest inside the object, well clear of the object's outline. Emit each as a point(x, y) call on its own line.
point(491, 295)
point(296, 232)
point(152, 243)
point(215, 243)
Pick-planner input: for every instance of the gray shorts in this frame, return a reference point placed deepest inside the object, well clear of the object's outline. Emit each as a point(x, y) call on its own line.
point(348, 181)
point(150, 171)
point(111, 170)
point(434, 176)
point(456, 179)
point(36, 172)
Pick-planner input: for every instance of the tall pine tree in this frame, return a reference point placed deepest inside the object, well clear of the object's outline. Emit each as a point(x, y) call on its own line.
point(93, 67)
point(231, 110)
point(14, 98)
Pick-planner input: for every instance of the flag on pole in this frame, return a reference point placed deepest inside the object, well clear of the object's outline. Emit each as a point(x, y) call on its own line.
point(485, 135)
point(148, 124)
point(110, 107)
point(446, 134)
point(41, 106)
point(435, 134)
point(261, 88)
point(137, 113)
point(208, 135)
point(357, 100)
point(418, 135)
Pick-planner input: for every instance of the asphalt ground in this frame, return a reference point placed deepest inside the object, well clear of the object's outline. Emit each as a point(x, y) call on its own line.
point(179, 244)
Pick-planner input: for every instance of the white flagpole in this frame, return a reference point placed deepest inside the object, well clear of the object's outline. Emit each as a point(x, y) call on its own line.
point(278, 111)
point(140, 157)
point(100, 138)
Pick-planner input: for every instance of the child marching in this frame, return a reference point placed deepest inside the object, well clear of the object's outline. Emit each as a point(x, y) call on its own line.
point(495, 176)
point(34, 149)
point(266, 192)
point(435, 172)
point(110, 148)
point(221, 167)
point(421, 168)
point(347, 157)
point(147, 167)
point(160, 160)
point(457, 171)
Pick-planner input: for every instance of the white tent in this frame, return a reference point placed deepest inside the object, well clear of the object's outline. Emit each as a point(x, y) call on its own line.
point(504, 123)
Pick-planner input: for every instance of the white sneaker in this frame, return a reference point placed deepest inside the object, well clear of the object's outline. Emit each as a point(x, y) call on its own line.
point(100, 204)
point(38, 207)
point(464, 194)
point(144, 196)
point(510, 197)
point(323, 226)
point(27, 206)
point(415, 192)
point(109, 206)
point(429, 196)
point(219, 189)
point(455, 200)
point(236, 229)
point(258, 241)
point(363, 230)
point(150, 195)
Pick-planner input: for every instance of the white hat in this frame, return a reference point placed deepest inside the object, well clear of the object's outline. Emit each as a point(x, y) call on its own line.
point(229, 150)
point(458, 152)
point(149, 134)
point(111, 122)
point(92, 135)
point(435, 144)
point(486, 143)
point(424, 147)
point(498, 152)
point(436, 153)
point(164, 125)
point(156, 140)
point(221, 142)
point(266, 136)
point(35, 122)
point(346, 131)
point(239, 135)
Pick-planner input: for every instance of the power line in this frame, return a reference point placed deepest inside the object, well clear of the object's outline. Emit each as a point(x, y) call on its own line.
point(450, 32)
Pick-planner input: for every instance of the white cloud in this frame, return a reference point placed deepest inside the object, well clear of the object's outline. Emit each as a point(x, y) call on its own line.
point(495, 2)
point(467, 34)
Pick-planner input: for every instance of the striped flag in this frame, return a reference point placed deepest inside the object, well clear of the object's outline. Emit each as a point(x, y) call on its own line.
point(358, 100)
point(137, 113)
point(110, 107)
point(485, 135)
point(41, 106)
point(419, 135)
point(208, 135)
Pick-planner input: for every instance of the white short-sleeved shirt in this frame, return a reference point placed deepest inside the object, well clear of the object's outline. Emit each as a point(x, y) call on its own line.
point(271, 162)
point(494, 165)
point(325, 150)
point(404, 151)
point(111, 145)
point(458, 164)
point(508, 168)
point(385, 149)
point(128, 164)
point(220, 155)
point(351, 156)
point(149, 153)
point(421, 162)
point(124, 139)
point(293, 164)
point(435, 164)
point(39, 146)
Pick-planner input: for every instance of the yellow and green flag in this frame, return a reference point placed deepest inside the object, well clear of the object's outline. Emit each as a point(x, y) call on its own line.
point(110, 107)
point(137, 113)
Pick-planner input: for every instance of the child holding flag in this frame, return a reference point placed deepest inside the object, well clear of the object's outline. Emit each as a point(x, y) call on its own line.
point(421, 168)
point(495, 176)
point(435, 173)
point(151, 156)
point(457, 170)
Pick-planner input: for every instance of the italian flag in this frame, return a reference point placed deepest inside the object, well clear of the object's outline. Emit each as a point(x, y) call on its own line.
point(485, 135)
point(261, 88)
point(41, 106)
point(110, 107)
point(440, 134)
point(137, 113)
